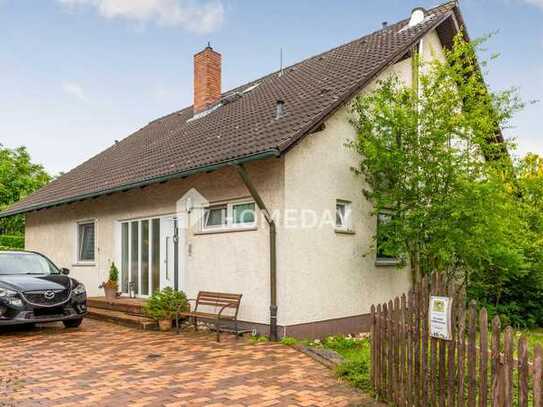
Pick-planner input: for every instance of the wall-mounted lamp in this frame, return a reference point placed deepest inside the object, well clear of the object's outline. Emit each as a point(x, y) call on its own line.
point(188, 204)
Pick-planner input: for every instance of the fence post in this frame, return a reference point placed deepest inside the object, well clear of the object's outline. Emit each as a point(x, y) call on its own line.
point(483, 357)
point(538, 370)
point(433, 349)
point(508, 366)
point(410, 341)
point(373, 345)
point(425, 337)
point(472, 354)
point(452, 348)
point(523, 372)
point(402, 341)
point(496, 364)
point(379, 347)
point(390, 355)
point(461, 353)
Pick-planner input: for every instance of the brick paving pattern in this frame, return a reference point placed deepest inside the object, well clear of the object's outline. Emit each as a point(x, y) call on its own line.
point(101, 364)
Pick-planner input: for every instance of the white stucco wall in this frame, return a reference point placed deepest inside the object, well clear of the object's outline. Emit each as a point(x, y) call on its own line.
point(229, 262)
point(331, 275)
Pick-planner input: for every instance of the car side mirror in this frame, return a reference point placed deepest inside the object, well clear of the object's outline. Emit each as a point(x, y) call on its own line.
point(65, 271)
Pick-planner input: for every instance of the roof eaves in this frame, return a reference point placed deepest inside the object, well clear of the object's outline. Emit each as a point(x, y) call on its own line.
point(270, 153)
point(321, 118)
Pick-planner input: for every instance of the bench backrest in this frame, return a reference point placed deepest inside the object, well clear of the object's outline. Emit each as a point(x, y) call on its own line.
point(215, 299)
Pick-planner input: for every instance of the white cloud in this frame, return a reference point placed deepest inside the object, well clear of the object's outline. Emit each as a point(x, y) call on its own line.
point(75, 90)
point(537, 3)
point(194, 15)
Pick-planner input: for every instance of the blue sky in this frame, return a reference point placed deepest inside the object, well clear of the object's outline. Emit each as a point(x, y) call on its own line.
point(77, 74)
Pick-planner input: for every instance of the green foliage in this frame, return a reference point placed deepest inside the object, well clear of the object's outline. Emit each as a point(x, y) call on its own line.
point(19, 177)
point(113, 279)
point(6, 248)
point(355, 367)
point(431, 154)
point(113, 272)
point(256, 339)
point(12, 241)
point(514, 290)
point(163, 305)
point(289, 341)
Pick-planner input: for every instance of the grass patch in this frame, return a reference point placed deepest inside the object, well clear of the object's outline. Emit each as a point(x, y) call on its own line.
point(356, 353)
point(256, 339)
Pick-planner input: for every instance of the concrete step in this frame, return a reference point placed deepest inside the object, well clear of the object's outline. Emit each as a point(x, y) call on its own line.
point(121, 318)
point(127, 305)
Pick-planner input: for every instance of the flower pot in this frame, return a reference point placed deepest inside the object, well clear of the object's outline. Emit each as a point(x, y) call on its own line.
point(165, 324)
point(111, 293)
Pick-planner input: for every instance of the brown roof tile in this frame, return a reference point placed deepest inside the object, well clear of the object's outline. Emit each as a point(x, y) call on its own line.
point(245, 128)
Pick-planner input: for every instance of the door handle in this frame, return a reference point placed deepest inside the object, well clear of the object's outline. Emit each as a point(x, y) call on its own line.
point(166, 258)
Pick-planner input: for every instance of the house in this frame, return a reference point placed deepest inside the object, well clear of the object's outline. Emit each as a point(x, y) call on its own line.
point(247, 191)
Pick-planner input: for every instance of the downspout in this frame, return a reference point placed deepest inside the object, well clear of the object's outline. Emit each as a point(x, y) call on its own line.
point(273, 253)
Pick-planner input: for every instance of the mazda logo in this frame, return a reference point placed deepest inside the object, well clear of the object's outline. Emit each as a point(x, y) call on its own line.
point(49, 295)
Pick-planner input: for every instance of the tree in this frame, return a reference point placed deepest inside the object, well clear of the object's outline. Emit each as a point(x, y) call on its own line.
point(19, 177)
point(432, 155)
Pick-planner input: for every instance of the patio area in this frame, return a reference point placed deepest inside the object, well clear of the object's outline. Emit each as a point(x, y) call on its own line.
point(102, 364)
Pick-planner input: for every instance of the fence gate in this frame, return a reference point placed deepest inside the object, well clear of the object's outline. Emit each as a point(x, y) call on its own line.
point(475, 368)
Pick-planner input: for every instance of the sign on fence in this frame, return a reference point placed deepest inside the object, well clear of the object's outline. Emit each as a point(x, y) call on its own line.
point(411, 367)
point(440, 317)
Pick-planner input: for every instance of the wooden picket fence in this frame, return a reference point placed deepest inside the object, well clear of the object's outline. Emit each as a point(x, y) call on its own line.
point(475, 368)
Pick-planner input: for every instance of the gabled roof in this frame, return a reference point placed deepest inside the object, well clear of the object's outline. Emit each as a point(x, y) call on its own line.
point(245, 128)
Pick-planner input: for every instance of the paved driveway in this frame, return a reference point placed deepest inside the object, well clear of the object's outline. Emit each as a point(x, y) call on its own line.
point(101, 364)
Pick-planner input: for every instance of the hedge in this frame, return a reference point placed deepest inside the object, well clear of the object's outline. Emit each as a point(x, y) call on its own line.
point(12, 241)
point(5, 248)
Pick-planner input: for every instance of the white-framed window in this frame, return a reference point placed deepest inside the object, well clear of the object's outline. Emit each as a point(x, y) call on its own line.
point(231, 215)
point(215, 217)
point(85, 242)
point(343, 215)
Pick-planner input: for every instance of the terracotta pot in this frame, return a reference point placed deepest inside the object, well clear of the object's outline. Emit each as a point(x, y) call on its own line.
point(111, 293)
point(165, 324)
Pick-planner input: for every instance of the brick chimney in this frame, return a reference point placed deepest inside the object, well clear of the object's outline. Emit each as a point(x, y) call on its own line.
point(207, 79)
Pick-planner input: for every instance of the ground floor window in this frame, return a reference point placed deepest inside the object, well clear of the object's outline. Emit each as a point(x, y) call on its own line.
point(85, 242)
point(229, 216)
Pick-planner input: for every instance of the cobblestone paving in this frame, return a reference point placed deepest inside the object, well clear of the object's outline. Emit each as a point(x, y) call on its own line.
point(101, 364)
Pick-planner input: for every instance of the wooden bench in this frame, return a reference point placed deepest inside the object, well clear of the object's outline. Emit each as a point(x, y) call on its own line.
point(221, 302)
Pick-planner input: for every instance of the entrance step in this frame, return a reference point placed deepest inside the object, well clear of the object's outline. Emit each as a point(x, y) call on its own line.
point(121, 318)
point(132, 306)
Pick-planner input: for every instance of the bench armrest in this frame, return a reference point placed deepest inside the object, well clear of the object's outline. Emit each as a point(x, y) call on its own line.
point(236, 304)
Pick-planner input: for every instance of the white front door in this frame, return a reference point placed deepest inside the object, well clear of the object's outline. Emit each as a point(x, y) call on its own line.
point(167, 252)
point(147, 255)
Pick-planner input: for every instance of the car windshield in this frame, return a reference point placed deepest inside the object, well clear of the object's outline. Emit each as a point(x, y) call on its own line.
point(25, 263)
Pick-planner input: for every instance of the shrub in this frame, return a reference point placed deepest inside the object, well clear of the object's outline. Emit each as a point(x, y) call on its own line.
point(113, 279)
point(355, 367)
point(5, 248)
point(12, 241)
point(289, 341)
point(164, 304)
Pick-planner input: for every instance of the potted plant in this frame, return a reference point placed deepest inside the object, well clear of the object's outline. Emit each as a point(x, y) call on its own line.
point(111, 285)
point(163, 305)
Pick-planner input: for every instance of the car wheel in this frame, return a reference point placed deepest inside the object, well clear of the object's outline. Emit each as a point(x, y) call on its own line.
point(72, 323)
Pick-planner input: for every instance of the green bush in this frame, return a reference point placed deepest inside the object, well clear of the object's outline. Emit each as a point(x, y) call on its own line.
point(12, 241)
point(164, 304)
point(356, 354)
point(5, 248)
point(289, 341)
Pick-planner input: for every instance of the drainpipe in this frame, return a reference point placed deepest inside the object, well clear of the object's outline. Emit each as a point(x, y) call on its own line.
point(273, 254)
